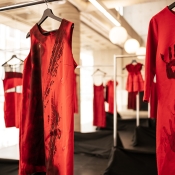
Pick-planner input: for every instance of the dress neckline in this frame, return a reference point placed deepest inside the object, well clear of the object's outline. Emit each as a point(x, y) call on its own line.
point(170, 11)
point(41, 30)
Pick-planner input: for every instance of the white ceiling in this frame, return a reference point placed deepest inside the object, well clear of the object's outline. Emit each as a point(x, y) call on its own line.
point(91, 20)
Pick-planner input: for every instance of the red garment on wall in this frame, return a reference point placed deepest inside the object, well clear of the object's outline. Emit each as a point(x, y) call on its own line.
point(99, 118)
point(46, 125)
point(153, 101)
point(160, 61)
point(134, 80)
point(12, 100)
point(110, 95)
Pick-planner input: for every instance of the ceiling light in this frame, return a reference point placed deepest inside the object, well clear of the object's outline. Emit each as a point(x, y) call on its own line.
point(102, 9)
point(131, 45)
point(118, 35)
point(141, 51)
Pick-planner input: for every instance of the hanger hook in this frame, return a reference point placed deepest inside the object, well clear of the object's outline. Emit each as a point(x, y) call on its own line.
point(46, 3)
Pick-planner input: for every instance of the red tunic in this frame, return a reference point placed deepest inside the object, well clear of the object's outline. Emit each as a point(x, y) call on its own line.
point(160, 60)
point(134, 79)
point(46, 126)
point(110, 95)
point(12, 101)
point(99, 107)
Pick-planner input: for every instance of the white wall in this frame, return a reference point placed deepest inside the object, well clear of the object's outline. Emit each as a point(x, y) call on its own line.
point(139, 15)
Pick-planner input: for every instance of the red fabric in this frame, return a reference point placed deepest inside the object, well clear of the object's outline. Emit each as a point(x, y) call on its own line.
point(75, 96)
point(153, 101)
point(12, 102)
point(134, 79)
point(99, 118)
point(160, 60)
point(110, 95)
point(132, 100)
point(46, 125)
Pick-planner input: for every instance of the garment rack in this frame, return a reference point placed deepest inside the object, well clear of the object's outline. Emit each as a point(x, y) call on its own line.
point(115, 104)
point(24, 4)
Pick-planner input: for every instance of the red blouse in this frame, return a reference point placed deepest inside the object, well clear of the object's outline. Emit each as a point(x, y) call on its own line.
point(46, 125)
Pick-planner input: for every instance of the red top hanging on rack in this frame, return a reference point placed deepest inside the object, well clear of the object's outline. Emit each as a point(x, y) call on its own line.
point(46, 125)
point(135, 81)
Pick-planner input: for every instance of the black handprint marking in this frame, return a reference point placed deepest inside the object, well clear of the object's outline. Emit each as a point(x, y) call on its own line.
point(170, 64)
point(171, 136)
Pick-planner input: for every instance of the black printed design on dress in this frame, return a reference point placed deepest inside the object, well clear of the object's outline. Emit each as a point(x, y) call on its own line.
point(57, 52)
point(170, 63)
point(55, 132)
point(171, 136)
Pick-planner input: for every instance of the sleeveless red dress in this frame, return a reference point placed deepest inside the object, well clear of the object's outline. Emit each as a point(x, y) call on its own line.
point(12, 102)
point(99, 118)
point(134, 80)
point(46, 125)
point(110, 95)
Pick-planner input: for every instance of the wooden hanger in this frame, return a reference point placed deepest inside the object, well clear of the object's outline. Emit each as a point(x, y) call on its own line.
point(47, 13)
point(13, 56)
point(98, 70)
point(171, 6)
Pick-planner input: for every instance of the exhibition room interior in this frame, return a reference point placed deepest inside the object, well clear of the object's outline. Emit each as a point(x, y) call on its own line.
point(112, 130)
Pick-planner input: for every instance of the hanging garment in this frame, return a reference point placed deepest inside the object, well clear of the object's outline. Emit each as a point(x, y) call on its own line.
point(99, 118)
point(134, 79)
point(110, 95)
point(153, 101)
point(160, 61)
point(132, 100)
point(46, 125)
point(75, 95)
point(12, 98)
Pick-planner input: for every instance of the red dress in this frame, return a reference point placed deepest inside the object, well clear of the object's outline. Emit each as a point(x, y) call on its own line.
point(75, 95)
point(153, 101)
point(134, 79)
point(99, 107)
point(110, 95)
point(160, 61)
point(46, 125)
point(12, 101)
point(134, 83)
point(132, 100)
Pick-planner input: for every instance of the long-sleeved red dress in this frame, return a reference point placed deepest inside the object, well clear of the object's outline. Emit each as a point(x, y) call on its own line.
point(160, 61)
point(46, 125)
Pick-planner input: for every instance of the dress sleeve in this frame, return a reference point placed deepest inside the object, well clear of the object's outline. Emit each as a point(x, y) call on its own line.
point(150, 60)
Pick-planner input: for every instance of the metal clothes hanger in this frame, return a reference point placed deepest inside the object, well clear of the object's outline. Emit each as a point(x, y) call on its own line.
point(133, 61)
point(47, 13)
point(98, 70)
point(171, 6)
point(13, 56)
